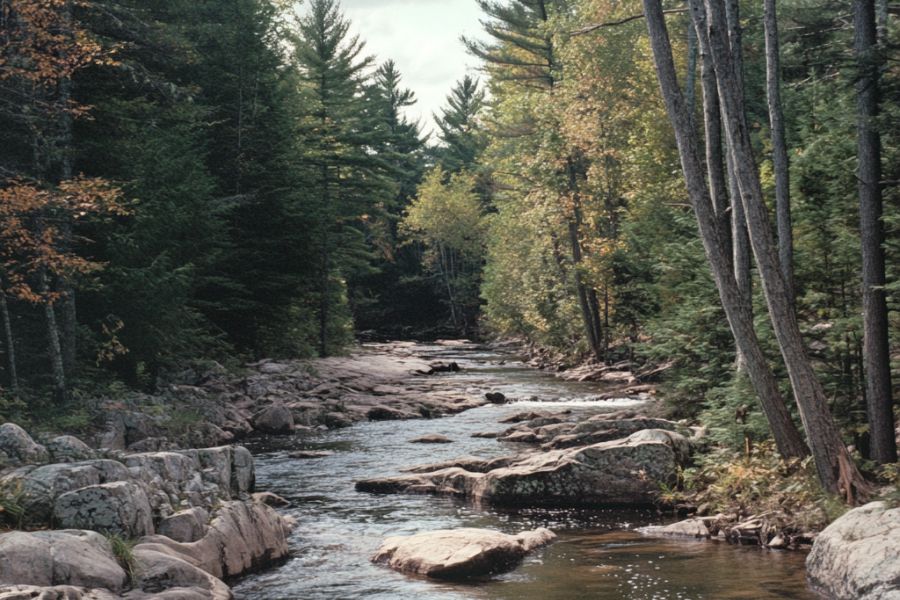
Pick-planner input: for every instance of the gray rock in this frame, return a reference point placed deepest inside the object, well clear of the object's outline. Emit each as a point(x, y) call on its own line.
point(42, 485)
point(68, 448)
point(243, 472)
point(855, 558)
point(185, 526)
point(50, 558)
point(679, 444)
point(19, 446)
point(242, 537)
point(121, 507)
point(459, 553)
point(57, 592)
point(695, 528)
point(276, 418)
point(615, 472)
point(165, 575)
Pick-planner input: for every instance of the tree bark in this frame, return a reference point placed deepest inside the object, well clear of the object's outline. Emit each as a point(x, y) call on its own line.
point(780, 162)
point(737, 309)
point(10, 345)
point(834, 466)
point(876, 348)
point(69, 312)
point(587, 296)
point(54, 347)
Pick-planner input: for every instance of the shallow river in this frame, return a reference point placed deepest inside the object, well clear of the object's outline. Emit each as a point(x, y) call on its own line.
point(599, 555)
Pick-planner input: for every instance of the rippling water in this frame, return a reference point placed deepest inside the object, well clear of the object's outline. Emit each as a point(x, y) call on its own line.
point(598, 555)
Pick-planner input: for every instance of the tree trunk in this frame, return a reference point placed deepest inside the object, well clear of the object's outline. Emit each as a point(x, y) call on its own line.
point(737, 309)
point(325, 266)
point(69, 313)
point(834, 466)
point(55, 349)
point(587, 296)
point(779, 149)
point(876, 348)
point(10, 345)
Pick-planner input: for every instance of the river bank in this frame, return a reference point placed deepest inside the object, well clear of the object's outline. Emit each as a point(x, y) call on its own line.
point(331, 525)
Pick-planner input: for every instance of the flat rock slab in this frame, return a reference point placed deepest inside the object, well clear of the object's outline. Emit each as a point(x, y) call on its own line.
point(459, 553)
point(431, 438)
point(693, 528)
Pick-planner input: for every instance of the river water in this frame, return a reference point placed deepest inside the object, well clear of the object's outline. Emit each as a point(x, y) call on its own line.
point(599, 554)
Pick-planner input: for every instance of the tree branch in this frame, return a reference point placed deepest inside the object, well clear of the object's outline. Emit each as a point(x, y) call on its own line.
point(596, 26)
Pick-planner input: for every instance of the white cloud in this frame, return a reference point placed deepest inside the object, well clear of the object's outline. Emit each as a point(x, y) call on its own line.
point(422, 37)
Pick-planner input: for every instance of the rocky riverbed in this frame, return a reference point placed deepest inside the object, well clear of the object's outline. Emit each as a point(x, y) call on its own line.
point(138, 513)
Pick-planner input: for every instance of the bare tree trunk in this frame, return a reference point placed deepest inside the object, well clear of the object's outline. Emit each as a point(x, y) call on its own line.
point(69, 313)
point(737, 309)
point(876, 346)
point(834, 466)
point(780, 162)
point(56, 360)
point(740, 249)
point(587, 296)
point(10, 345)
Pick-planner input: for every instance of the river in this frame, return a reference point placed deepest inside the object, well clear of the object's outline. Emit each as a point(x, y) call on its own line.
point(600, 554)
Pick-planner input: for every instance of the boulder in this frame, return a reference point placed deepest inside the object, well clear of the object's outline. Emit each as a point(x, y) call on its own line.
point(68, 448)
point(459, 553)
point(602, 428)
point(241, 538)
point(162, 574)
point(431, 438)
point(619, 472)
point(855, 558)
point(615, 472)
point(41, 486)
point(121, 507)
point(185, 526)
point(495, 398)
point(276, 418)
point(51, 558)
point(18, 445)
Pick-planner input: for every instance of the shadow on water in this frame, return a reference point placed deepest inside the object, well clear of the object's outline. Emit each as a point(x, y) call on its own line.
point(598, 555)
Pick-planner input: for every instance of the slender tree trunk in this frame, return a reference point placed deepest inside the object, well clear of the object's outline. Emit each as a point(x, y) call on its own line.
point(740, 248)
point(737, 310)
point(69, 328)
point(55, 348)
point(690, 82)
point(325, 266)
point(712, 126)
point(834, 466)
point(780, 162)
point(10, 345)
point(587, 296)
point(876, 346)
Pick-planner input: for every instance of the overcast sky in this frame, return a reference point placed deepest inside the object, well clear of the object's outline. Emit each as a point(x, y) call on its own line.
point(422, 37)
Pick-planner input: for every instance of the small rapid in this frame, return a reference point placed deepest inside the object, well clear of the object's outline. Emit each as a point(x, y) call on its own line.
point(599, 553)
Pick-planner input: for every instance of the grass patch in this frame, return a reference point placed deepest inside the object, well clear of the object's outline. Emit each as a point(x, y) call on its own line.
point(12, 507)
point(123, 551)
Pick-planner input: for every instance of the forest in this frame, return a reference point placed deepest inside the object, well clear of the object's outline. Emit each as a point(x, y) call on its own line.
point(705, 190)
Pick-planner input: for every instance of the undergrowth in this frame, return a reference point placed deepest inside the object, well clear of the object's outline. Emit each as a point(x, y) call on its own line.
point(740, 486)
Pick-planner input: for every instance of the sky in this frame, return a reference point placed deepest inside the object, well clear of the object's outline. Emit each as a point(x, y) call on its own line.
point(422, 37)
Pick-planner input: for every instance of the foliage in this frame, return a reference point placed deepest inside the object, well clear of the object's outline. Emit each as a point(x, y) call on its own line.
point(762, 483)
point(123, 551)
point(447, 218)
point(12, 508)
